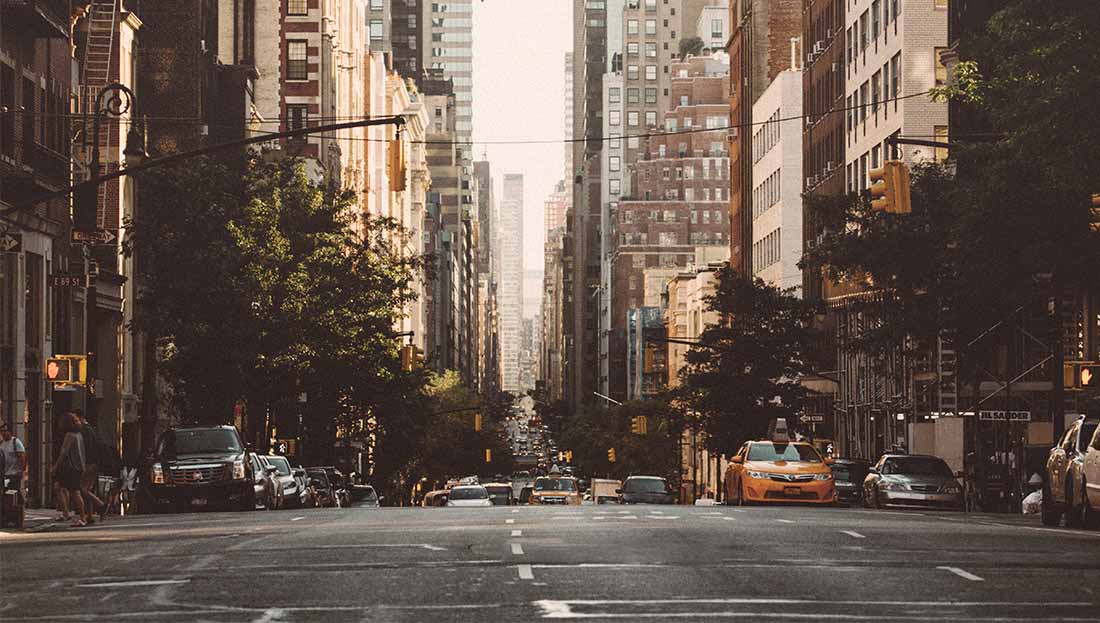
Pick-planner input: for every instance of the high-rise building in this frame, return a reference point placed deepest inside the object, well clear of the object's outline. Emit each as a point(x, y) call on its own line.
point(488, 338)
point(568, 171)
point(510, 295)
point(406, 36)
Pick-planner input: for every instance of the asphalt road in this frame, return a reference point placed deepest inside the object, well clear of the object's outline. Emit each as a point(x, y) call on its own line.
point(523, 564)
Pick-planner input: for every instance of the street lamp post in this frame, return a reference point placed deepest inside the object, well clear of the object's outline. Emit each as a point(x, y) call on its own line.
point(113, 100)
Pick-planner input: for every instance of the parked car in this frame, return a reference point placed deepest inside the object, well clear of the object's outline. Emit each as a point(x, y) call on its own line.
point(646, 490)
point(1090, 484)
point(305, 495)
point(267, 486)
point(364, 496)
point(500, 494)
point(290, 494)
point(465, 496)
point(339, 484)
point(197, 467)
point(848, 477)
point(912, 481)
point(1063, 487)
point(324, 495)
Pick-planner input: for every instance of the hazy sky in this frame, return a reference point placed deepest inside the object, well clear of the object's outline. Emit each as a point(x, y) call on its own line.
point(519, 61)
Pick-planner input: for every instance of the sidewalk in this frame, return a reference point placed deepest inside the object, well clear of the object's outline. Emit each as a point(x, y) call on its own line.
point(42, 520)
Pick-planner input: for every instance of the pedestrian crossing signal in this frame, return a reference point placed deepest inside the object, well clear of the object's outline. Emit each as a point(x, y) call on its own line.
point(67, 369)
point(1088, 376)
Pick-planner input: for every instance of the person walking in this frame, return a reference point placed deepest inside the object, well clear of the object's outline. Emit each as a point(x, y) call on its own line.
point(90, 478)
point(68, 471)
point(14, 458)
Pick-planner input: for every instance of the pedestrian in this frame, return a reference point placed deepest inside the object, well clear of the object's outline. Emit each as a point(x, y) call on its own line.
point(90, 478)
point(68, 471)
point(13, 455)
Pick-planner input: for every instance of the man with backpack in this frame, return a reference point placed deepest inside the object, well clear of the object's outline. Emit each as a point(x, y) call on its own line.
point(90, 478)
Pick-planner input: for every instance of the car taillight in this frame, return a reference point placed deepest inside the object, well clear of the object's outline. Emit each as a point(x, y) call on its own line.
point(158, 474)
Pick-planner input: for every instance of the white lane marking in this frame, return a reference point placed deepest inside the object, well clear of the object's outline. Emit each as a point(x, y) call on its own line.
point(517, 549)
point(740, 510)
point(517, 532)
point(966, 575)
point(427, 546)
point(525, 572)
point(271, 615)
point(132, 583)
point(603, 565)
point(509, 521)
point(730, 518)
point(853, 534)
point(784, 521)
point(133, 557)
point(297, 518)
point(515, 510)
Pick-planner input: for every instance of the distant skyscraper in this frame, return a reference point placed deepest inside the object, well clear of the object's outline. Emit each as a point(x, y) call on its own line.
point(510, 301)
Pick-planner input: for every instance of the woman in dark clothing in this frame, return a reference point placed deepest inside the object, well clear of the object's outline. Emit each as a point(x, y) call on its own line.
point(68, 470)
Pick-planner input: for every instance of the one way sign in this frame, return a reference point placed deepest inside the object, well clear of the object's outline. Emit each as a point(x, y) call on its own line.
point(11, 243)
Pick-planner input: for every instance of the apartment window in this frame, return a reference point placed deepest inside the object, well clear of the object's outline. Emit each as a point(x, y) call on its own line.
point(661, 151)
point(376, 30)
point(651, 118)
point(376, 5)
point(651, 50)
point(670, 124)
point(940, 4)
point(632, 96)
point(876, 22)
point(650, 72)
point(940, 153)
point(651, 27)
point(631, 26)
point(895, 78)
point(615, 186)
point(297, 7)
point(863, 97)
point(716, 29)
point(631, 72)
point(876, 154)
point(614, 164)
point(851, 46)
point(632, 142)
point(876, 93)
point(864, 33)
point(616, 143)
point(632, 48)
point(297, 116)
point(941, 69)
point(632, 118)
point(651, 5)
point(614, 95)
point(614, 117)
point(862, 171)
point(651, 95)
point(297, 60)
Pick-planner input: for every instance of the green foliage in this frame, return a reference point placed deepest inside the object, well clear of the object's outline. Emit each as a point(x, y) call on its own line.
point(590, 433)
point(745, 371)
point(264, 285)
point(690, 46)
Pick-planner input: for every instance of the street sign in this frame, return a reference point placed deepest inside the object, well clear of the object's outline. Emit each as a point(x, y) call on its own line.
point(68, 281)
point(100, 236)
point(806, 419)
point(1005, 416)
point(11, 243)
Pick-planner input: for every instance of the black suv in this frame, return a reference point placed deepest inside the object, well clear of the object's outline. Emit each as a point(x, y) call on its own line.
point(197, 467)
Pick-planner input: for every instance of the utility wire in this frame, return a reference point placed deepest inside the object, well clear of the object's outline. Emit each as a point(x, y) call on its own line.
point(598, 139)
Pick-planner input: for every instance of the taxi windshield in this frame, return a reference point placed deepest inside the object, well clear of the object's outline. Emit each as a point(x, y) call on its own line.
point(555, 484)
point(783, 452)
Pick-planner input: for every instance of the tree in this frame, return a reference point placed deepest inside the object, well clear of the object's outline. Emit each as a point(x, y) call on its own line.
point(590, 433)
point(690, 46)
point(745, 370)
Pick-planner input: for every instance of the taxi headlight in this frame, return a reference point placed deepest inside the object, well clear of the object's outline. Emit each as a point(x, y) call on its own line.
point(825, 476)
point(757, 475)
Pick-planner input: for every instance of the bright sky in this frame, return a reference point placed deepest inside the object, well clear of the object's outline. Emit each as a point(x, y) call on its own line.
point(519, 65)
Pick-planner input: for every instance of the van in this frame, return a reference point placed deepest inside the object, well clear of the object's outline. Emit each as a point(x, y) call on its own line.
point(605, 491)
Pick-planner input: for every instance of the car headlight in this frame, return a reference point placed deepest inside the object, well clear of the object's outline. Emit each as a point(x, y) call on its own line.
point(952, 488)
point(825, 476)
point(238, 470)
point(158, 474)
point(757, 475)
point(891, 486)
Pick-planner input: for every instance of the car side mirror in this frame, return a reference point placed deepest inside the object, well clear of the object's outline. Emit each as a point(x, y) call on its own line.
point(738, 459)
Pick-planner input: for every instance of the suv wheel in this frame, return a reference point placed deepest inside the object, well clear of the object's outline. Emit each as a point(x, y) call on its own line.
point(1049, 512)
point(1074, 513)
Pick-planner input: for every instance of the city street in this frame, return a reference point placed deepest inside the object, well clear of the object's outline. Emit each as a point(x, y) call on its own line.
point(520, 564)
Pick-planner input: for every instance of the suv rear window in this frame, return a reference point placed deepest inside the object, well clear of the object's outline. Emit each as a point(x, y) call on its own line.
point(645, 485)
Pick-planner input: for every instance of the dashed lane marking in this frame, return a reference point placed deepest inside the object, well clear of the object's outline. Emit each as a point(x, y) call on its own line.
point(525, 572)
point(966, 575)
point(517, 549)
point(784, 521)
point(517, 532)
point(297, 518)
point(853, 534)
point(730, 518)
point(132, 583)
point(509, 521)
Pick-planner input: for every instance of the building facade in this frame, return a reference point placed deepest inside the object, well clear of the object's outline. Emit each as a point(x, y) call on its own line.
point(511, 282)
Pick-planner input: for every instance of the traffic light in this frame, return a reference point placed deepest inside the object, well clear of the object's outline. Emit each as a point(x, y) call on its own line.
point(638, 425)
point(1094, 212)
point(488, 455)
point(890, 188)
point(396, 163)
point(568, 456)
point(611, 455)
point(477, 422)
point(67, 369)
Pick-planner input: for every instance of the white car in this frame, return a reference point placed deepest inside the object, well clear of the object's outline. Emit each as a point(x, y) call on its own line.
point(469, 496)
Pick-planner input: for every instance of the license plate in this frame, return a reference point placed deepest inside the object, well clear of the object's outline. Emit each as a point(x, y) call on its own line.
point(198, 502)
point(792, 490)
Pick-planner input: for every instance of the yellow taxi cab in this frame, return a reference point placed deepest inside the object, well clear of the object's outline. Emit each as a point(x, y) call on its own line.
point(779, 470)
point(555, 490)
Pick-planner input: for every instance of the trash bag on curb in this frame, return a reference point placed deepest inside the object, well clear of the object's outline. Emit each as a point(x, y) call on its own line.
point(1033, 502)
